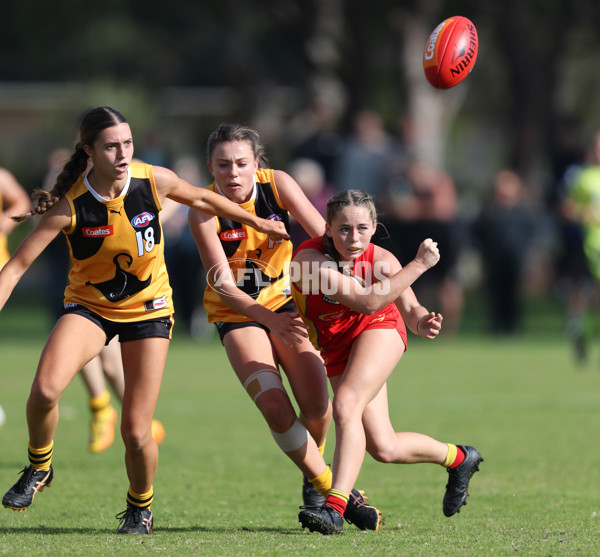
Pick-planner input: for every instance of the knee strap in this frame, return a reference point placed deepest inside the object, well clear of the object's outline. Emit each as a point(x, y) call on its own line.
point(263, 380)
point(293, 438)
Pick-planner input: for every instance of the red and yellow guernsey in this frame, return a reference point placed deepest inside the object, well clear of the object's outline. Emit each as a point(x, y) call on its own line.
point(260, 266)
point(333, 326)
point(117, 250)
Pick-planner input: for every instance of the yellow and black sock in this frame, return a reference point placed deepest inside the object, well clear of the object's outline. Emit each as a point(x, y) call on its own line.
point(41, 459)
point(142, 500)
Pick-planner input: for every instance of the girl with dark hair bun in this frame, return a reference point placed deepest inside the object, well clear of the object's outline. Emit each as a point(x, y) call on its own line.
point(118, 285)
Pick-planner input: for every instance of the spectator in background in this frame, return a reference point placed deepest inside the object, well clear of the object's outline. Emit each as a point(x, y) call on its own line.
point(366, 157)
point(181, 255)
point(424, 204)
point(309, 175)
point(503, 232)
point(152, 150)
point(322, 142)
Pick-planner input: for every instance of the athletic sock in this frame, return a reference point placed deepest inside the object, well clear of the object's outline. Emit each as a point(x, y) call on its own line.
point(322, 482)
point(454, 457)
point(41, 459)
point(100, 402)
point(142, 500)
point(322, 448)
point(337, 500)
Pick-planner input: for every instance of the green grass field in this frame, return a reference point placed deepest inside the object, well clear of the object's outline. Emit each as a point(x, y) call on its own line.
point(223, 488)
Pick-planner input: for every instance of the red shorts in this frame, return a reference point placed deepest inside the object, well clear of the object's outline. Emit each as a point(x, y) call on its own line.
point(336, 361)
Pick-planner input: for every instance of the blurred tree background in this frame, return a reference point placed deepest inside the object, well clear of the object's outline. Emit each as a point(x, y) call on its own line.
point(266, 60)
point(176, 70)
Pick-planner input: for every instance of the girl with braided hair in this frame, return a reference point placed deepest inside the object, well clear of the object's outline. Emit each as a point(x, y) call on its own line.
point(355, 298)
point(118, 285)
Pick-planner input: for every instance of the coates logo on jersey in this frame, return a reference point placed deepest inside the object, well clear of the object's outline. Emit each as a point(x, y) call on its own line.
point(141, 220)
point(97, 231)
point(233, 235)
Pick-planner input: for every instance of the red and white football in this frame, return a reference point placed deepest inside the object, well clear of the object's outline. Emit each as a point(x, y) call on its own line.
point(450, 52)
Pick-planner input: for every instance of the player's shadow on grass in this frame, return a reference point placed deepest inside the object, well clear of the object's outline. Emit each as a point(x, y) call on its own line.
point(230, 530)
point(51, 531)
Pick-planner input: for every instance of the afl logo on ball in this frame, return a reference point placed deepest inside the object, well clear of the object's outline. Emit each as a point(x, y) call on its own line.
point(141, 220)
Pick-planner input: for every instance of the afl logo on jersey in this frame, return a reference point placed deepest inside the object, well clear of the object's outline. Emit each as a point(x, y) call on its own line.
point(141, 220)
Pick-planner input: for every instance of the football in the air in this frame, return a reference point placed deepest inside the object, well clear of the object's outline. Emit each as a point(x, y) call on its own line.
point(450, 52)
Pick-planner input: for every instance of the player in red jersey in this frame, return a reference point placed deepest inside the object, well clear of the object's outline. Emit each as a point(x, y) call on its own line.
point(355, 298)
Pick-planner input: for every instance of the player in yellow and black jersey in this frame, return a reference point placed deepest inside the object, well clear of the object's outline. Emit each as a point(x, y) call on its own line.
point(118, 286)
point(260, 265)
point(13, 201)
point(249, 301)
point(116, 247)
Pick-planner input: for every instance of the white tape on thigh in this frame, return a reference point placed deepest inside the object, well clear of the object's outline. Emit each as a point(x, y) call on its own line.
point(261, 381)
point(293, 438)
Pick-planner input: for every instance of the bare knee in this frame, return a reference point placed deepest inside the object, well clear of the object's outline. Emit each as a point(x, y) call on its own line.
point(43, 395)
point(346, 406)
point(135, 437)
point(317, 410)
point(382, 452)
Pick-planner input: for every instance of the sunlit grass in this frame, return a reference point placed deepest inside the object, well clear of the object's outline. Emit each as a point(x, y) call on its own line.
point(223, 488)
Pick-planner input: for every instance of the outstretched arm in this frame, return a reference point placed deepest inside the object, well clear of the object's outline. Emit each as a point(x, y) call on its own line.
point(170, 185)
point(47, 228)
point(418, 319)
point(394, 280)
